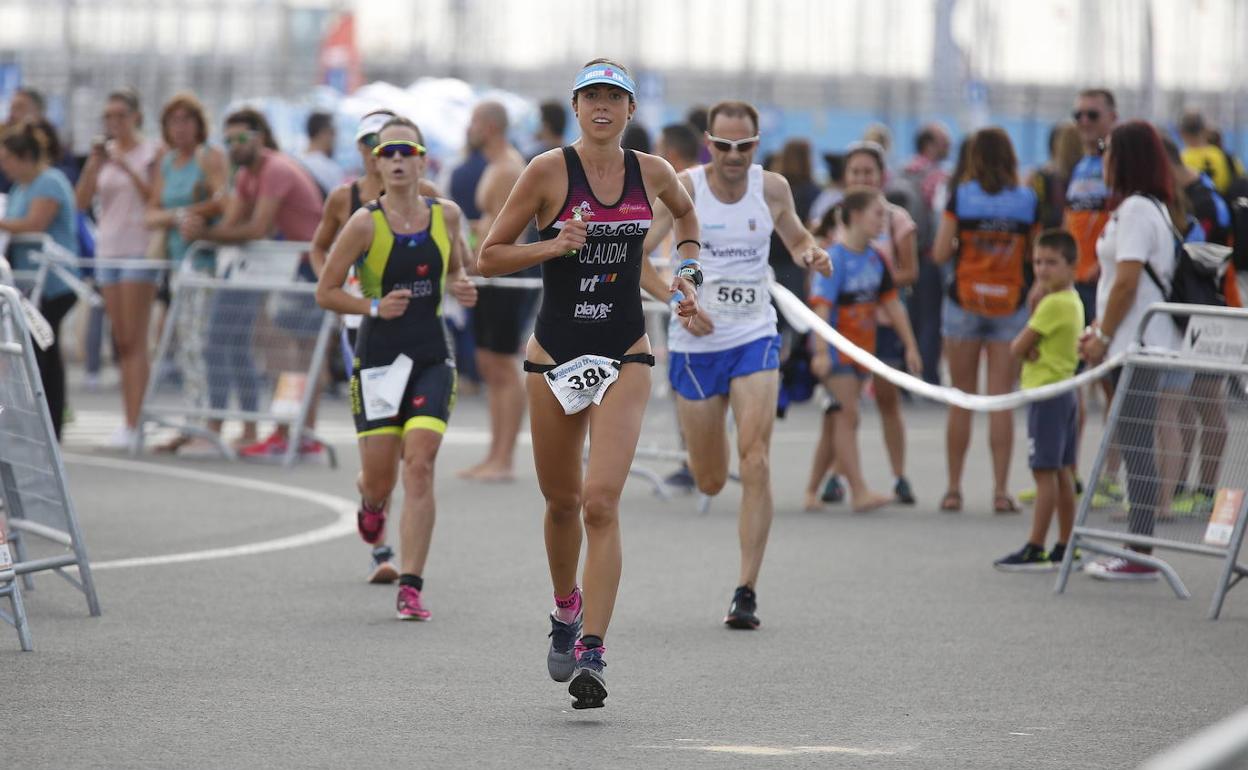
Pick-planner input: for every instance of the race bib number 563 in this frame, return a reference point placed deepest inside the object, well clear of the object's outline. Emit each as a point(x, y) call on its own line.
point(735, 300)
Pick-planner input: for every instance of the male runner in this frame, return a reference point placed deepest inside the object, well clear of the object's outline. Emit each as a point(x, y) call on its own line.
point(728, 355)
point(500, 314)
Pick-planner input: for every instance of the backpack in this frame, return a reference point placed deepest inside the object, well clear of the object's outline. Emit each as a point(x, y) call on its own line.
point(1199, 270)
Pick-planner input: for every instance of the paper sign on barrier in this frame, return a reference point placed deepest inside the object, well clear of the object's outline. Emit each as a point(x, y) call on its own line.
point(1226, 506)
point(1217, 339)
point(6, 558)
point(288, 395)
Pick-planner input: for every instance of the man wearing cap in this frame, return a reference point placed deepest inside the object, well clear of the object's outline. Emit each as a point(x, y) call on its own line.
point(501, 313)
point(729, 354)
point(345, 199)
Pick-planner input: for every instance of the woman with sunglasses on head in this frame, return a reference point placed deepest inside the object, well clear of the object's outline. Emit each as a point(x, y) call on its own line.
point(589, 355)
point(343, 201)
point(403, 385)
point(118, 178)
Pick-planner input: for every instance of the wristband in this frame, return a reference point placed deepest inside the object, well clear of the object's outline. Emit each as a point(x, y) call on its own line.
point(689, 240)
point(374, 308)
point(693, 273)
point(1098, 334)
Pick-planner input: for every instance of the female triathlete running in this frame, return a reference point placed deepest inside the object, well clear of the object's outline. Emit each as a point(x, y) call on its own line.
point(589, 355)
point(342, 202)
point(403, 381)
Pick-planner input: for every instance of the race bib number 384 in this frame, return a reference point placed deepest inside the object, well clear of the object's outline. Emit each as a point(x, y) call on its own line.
point(582, 381)
point(735, 300)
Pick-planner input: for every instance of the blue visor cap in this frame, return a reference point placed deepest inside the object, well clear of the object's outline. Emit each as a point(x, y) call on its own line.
point(605, 74)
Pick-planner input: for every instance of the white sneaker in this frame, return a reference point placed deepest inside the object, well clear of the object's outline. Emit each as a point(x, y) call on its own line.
point(121, 438)
point(200, 449)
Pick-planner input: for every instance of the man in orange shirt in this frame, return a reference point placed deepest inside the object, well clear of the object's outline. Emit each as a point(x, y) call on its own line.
point(1087, 211)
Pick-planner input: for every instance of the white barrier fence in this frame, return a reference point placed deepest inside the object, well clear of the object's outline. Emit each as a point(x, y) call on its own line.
point(248, 343)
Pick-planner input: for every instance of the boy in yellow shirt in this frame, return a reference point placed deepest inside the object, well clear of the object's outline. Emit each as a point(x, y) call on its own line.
point(1048, 347)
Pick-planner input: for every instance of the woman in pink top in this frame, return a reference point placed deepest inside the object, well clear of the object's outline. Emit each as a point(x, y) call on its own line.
point(118, 178)
point(864, 166)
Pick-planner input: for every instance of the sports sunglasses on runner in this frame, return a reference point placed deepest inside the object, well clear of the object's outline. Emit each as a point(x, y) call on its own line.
point(370, 140)
point(728, 145)
point(398, 147)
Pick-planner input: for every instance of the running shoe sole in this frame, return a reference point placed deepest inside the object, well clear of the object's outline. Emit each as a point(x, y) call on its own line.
point(742, 623)
point(417, 618)
point(588, 690)
point(1121, 576)
point(1045, 566)
point(383, 573)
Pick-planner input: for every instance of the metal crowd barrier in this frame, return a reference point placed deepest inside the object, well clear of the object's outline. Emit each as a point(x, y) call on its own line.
point(1183, 492)
point(53, 259)
point(10, 588)
point(247, 343)
point(42, 521)
point(1223, 746)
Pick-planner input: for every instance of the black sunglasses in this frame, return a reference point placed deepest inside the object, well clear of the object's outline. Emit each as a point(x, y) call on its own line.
point(1091, 115)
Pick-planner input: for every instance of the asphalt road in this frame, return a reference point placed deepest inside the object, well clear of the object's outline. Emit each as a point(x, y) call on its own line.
point(888, 640)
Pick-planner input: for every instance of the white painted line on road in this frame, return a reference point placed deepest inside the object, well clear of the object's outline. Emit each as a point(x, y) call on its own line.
point(848, 750)
point(778, 751)
point(344, 509)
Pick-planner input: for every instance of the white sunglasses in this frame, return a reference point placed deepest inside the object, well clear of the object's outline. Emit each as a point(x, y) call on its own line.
point(728, 145)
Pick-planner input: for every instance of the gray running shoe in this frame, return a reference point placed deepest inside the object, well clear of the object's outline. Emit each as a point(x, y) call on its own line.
point(589, 688)
point(561, 660)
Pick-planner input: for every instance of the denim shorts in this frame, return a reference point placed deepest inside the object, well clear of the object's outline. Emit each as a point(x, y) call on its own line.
point(959, 324)
point(1177, 380)
point(889, 348)
point(107, 276)
point(844, 366)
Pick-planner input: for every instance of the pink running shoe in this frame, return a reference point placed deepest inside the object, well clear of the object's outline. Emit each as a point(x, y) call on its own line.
point(371, 522)
point(409, 605)
point(273, 446)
